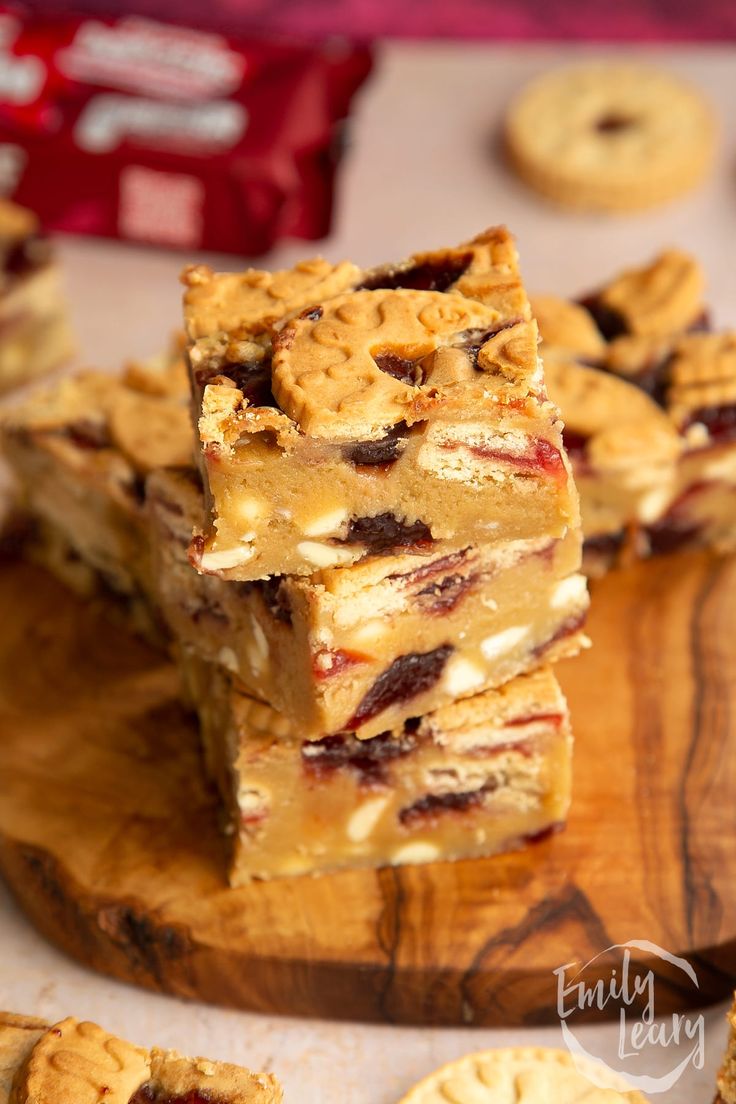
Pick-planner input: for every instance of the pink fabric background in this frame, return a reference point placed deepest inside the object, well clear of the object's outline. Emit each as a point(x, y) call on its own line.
point(617, 20)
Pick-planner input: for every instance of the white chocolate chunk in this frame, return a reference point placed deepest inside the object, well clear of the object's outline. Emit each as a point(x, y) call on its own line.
point(249, 508)
point(324, 555)
point(368, 633)
point(461, 676)
point(364, 819)
point(501, 643)
point(569, 592)
point(253, 802)
point(327, 524)
point(418, 851)
point(654, 504)
point(257, 649)
point(226, 558)
point(227, 657)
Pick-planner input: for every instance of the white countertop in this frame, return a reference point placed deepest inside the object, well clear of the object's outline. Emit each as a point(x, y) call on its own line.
point(422, 173)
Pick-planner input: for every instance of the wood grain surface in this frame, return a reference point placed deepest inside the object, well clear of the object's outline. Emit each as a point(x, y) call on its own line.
point(108, 835)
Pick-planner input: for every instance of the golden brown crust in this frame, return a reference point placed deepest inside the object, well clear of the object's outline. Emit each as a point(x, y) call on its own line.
point(77, 1062)
point(659, 299)
point(335, 369)
point(521, 1075)
point(173, 1075)
point(80, 1062)
point(631, 354)
point(247, 303)
point(622, 423)
point(489, 271)
point(18, 1036)
point(151, 431)
point(567, 327)
point(702, 374)
point(141, 416)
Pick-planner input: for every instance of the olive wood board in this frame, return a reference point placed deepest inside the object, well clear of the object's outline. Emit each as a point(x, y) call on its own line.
point(109, 838)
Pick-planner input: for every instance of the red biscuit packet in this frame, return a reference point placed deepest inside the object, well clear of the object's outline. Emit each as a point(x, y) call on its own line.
point(151, 132)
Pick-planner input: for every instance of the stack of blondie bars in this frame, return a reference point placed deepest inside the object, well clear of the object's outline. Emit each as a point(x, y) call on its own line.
point(365, 558)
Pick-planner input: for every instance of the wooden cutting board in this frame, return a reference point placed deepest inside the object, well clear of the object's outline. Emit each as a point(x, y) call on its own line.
point(108, 835)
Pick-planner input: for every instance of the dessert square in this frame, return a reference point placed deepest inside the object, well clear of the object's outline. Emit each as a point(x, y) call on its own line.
point(474, 778)
point(35, 335)
point(648, 395)
point(76, 1060)
point(360, 648)
point(80, 452)
point(624, 451)
point(343, 415)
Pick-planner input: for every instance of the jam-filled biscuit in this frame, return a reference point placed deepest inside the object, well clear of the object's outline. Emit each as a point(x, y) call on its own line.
point(610, 136)
point(522, 1075)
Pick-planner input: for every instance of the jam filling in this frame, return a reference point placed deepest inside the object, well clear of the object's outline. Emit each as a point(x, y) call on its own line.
point(720, 421)
point(613, 123)
point(525, 748)
point(403, 369)
point(384, 533)
point(156, 1094)
point(535, 718)
point(545, 833)
point(431, 805)
point(654, 380)
point(327, 663)
point(435, 275)
point(253, 379)
point(576, 444)
point(610, 322)
point(701, 324)
point(27, 255)
point(88, 434)
point(379, 453)
point(205, 610)
point(274, 596)
point(443, 596)
point(436, 567)
point(136, 487)
point(196, 550)
point(366, 758)
point(606, 544)
point(474, 340)
point(542, 456)
point(567, 628)
point(408, 676)
point(671, 535)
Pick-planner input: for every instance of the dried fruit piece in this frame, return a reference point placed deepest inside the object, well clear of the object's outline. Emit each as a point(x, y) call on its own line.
point(406, 678)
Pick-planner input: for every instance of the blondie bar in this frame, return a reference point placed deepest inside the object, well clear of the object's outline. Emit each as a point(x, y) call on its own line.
point(624, 451)
point(661, 475)
point(80, 452)
point(35, 335)
point(359, 648)
point(79, 1062)
point(473, 778)
point(345, 414)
